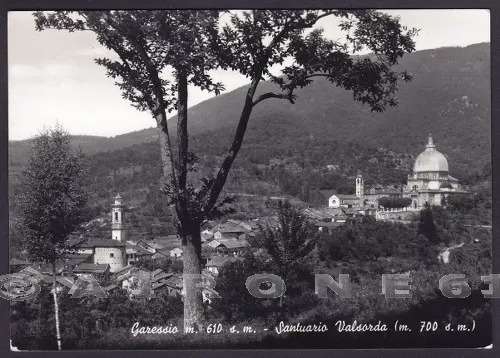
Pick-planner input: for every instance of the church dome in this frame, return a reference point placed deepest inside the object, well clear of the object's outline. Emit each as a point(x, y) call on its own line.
point(430, 160)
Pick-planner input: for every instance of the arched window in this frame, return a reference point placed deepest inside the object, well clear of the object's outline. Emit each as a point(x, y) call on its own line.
point(414, 204)
point(116, 216)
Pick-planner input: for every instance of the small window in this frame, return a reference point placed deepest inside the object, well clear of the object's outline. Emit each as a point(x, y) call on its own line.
point(111, 255)
point(116, 216)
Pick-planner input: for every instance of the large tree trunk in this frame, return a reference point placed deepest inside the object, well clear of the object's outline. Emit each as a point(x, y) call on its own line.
point(193, 299)
point(190, 231)
point(56, 306)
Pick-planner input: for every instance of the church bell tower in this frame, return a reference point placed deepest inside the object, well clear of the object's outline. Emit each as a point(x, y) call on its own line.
point(360, 189)
point(117, 227)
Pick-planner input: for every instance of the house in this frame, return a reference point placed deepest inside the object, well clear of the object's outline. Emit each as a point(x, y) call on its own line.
point(347, 201)
point(367, 211)
point(252, 224)
point(330, 198)
point(327, 226)
point(231, 247)
point(338, 214)
point(174, 285)
point(176, 252)
point(230, 230)
point(160, 243)
point(161, 255)
point(136, 281)
point(206, 235)
point(91, 268)
point(117, 276)
point(71, 260)
point(247, 226)
point(352, 213)
point(212, 244)
point(136, 253)
point(150, 246)
point(215, 263)
point(105, 251)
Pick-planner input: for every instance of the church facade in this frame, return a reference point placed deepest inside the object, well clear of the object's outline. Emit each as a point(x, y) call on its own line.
point(430, 181)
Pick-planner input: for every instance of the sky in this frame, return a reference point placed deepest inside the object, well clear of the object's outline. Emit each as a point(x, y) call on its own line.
point(53, 78)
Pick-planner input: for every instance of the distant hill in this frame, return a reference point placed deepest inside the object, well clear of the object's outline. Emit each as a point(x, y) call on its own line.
point(18, 149)
point(449, 96)
point(321, 142)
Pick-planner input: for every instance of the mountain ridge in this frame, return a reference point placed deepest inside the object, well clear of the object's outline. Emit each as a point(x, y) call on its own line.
point(449, 97)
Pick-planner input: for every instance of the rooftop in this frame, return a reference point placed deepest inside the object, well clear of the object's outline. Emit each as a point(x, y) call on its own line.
point(233, 243)
point(231, 227)
point(347, 197)
point(98, 242)
point(91, 267)
point(219, 261)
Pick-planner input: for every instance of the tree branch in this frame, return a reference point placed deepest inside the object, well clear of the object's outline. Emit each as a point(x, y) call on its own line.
point(288, 96)
point(223, 172)
point(159, 112)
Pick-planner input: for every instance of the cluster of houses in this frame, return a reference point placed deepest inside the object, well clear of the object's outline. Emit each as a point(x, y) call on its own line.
point(115, 260)
point(118, 256)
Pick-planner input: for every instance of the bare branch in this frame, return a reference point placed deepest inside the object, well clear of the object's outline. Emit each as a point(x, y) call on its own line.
point(288, 96)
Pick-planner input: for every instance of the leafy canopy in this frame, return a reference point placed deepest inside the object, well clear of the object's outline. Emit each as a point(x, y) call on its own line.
point(290, 242)
point(52, 196)
point(188, 45)
point(260, 40)
point(394, 202)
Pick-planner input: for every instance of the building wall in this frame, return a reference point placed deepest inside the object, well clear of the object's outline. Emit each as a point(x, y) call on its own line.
point(333, 201)
point(176, 252)
point(115, 257)
point(118, 234)
point(85, 250)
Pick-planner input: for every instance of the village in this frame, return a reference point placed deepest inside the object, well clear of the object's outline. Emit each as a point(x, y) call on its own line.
point(123, 260)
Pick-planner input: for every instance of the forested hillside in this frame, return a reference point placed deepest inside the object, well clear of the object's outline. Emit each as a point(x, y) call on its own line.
point(321, 142)
point(449, 96)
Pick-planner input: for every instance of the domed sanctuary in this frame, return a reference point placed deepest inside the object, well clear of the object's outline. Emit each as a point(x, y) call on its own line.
point(430, 181)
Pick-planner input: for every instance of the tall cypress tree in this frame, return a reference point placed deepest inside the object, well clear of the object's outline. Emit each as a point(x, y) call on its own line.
point(426, 225)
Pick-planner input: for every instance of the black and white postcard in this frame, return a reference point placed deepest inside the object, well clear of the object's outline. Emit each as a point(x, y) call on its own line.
point(249, 179)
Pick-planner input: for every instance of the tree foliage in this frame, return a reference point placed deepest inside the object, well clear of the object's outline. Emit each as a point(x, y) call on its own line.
point(291, 242)
point(150, 42)
point(52, 196)
point(394, 202)
point(426, 225)
point(189, 44)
